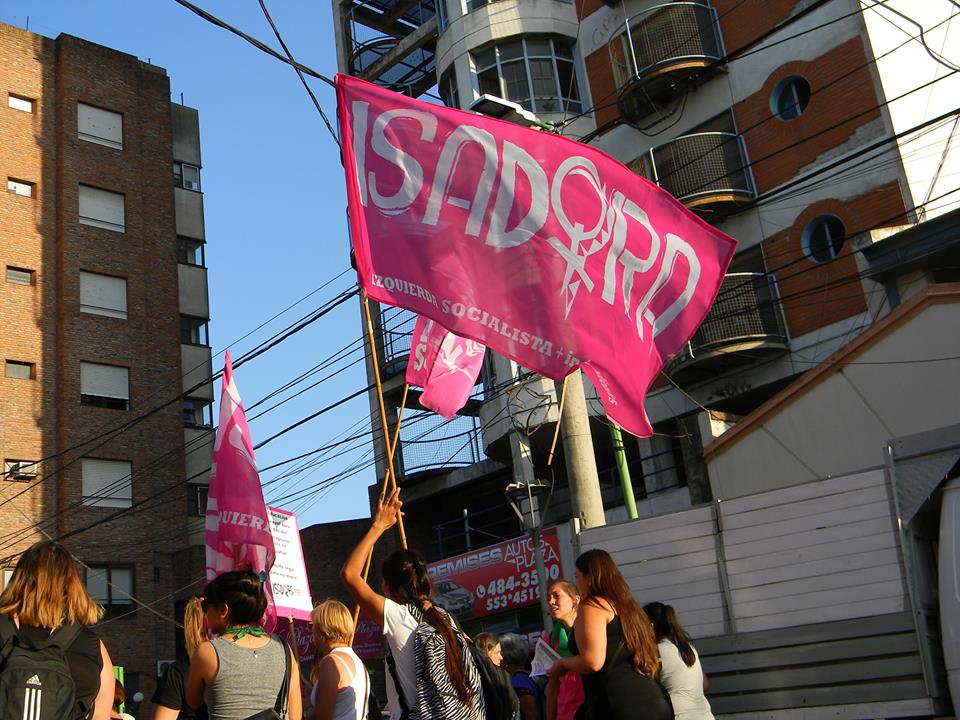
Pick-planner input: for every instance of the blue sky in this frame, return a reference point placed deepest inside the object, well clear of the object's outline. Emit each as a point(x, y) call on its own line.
point(273, 196)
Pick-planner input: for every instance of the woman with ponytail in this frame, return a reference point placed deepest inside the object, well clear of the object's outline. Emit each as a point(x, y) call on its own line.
point(616, 653)
point(400, 610)
point(680, 670)
point(170, 699)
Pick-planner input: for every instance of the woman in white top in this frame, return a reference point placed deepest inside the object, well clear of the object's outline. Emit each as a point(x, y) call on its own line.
point(680, 670)
point(404, 604)
point(341, 686)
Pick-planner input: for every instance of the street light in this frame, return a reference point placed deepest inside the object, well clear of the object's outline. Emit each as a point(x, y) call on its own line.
point(516, 493)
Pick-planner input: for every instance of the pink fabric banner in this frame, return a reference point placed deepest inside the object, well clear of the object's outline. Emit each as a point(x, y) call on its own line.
point(424, 347)
point(445, 365)
point(238, 533)
point(543, 249)
point(453, 376)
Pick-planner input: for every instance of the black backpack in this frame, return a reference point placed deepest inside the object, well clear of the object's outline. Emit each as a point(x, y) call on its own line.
point(35, 679)
point(499, 699)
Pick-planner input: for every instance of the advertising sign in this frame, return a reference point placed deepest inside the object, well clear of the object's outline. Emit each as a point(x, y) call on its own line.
point(306, 649)
point(288, 576)
point(495, 578)
point(368, 640)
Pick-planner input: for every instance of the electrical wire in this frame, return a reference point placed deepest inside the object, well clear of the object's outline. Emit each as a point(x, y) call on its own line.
point(303, 80)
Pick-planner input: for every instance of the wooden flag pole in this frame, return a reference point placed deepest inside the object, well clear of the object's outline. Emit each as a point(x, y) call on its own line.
point(556, 430)
point(383, 412)
point(389, 481)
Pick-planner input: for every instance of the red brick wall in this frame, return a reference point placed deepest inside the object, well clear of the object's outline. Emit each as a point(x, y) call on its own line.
point(808, 305)
point(833, 99)
point(26, 407)
point(742, 21)
point(42, 324)
point(603, 88)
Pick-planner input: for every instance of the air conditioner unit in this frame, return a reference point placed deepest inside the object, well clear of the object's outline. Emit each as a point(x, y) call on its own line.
point(162, 666)
point(22, 471)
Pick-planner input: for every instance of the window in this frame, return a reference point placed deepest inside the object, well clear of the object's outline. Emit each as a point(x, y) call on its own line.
point(7, 576)
point(101, 208)
point(103, 127)
point(18, 370)
point(103, 295)
point(200, 500)
point(190, 252)
point(19, 470)
point(474, 4)
point(790, 97)
point(197, 413)
point(536, 73)
point(823, 238)
point(20, 103)
point(19, 276)
point(111, 586)
point(193, 330)
point(19, 187)
point(186, 176)
point(449, 91)
point(105, 386)
point(106, 483)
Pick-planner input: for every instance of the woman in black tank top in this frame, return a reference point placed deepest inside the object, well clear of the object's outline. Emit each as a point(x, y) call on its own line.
point(616, 652)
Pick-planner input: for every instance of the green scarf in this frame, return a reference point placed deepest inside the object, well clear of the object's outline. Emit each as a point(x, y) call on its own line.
point(560, 639)
point(242, 631)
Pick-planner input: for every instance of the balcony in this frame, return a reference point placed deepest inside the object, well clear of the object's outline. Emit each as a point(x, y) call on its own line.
point(708, 171)
point(745, 324)
point(660, 53)
point(430, 445)
point(396, 326)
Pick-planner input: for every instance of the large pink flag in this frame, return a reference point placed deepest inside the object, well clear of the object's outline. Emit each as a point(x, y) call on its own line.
point(238, 533)
point(541, 248)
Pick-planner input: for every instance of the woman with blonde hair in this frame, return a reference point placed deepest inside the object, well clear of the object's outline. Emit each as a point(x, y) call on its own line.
point(341, 688)
point(47, 605)
point(615, 646)
point(170, 699)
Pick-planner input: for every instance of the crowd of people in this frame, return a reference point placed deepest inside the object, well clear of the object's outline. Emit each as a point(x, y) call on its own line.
point(616, 660)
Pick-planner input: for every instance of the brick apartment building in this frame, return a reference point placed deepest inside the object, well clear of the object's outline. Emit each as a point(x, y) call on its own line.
point(103, 317)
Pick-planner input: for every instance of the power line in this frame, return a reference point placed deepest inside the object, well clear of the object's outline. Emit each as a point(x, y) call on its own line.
point(253, 41)
point(303, 80)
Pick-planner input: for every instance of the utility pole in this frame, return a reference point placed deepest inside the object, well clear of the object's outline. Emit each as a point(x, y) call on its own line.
point(525, 480)
point(580, 459)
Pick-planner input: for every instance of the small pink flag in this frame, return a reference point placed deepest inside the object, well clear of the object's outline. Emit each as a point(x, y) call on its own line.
point(424, 347)
point(453, 376)
point(238, 533)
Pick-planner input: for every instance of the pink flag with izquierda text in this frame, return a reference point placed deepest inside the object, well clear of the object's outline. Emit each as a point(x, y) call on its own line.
point(543, 249)
point(238, 533)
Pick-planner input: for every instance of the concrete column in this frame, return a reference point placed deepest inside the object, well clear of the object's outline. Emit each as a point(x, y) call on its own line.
point(578, 451)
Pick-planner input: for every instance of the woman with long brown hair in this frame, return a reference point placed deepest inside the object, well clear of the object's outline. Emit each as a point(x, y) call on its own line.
point(47, 604)
point(616, 651)
point(680, 670)
point(402, 608)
